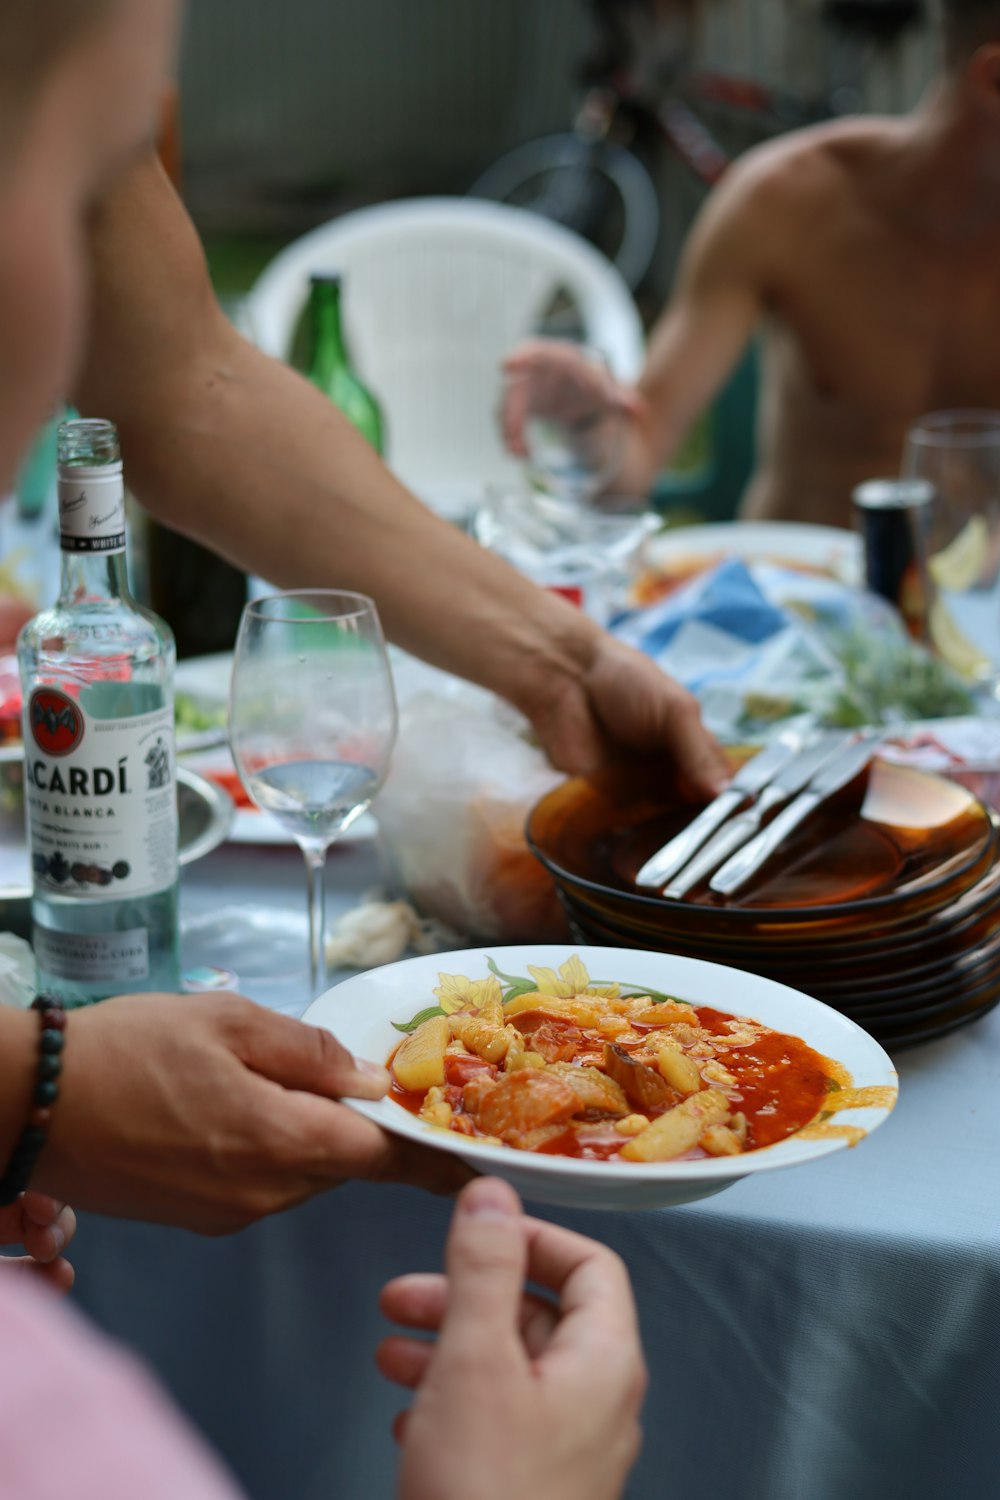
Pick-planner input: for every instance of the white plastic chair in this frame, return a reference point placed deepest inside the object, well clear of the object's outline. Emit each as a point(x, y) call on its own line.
point(436, 292)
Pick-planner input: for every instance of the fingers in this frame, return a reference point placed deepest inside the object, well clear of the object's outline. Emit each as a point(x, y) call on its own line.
point(328, 1142)
point(43, 1226)
point(415, 1301)
point(58, 1275)
point(513, 414)
point(404, 1361)
point(599, 1326)
point(485, 1258)
point(45, 1242)
point(698, 755)
point(583, 1272)
point(419, 1301)
point(306, 1057)
point(640, 708)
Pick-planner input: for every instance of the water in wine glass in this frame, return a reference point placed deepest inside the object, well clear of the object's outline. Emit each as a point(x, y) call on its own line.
point(312, 721)
point(314, 799)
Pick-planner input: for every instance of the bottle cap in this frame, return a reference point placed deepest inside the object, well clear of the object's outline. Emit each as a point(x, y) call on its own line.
point(893, 494)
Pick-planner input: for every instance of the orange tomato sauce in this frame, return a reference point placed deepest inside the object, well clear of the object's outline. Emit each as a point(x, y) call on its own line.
point(781, 1082)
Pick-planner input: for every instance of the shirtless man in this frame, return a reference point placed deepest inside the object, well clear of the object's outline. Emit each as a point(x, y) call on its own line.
point(866, 254)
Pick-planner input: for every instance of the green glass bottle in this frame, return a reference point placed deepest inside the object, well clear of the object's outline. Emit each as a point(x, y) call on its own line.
point(329, 364)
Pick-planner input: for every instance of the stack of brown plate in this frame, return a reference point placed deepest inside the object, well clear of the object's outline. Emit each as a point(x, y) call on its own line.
point(886, 905)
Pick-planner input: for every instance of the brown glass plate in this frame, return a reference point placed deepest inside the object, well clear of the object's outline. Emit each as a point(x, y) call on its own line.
point(909, 938)
point(896, 844)
point(896, 1039)
point(909, 946)
point(887, 978)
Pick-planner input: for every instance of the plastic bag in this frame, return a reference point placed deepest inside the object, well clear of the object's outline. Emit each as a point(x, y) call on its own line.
point(465, 776)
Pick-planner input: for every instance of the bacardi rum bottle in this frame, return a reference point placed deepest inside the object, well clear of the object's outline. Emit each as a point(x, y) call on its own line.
point(100, 796)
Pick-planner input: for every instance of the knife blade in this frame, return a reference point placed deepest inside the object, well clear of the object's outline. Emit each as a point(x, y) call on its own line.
point(737, 831)
point(831, 778)
point(750, 779)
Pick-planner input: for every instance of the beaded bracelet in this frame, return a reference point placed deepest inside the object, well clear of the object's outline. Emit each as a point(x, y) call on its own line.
point(35, 1133)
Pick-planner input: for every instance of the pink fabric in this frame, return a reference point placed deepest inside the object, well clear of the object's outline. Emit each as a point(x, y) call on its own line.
point(81, 1419)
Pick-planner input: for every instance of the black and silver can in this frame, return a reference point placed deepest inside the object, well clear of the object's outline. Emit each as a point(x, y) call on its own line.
point(893, 517)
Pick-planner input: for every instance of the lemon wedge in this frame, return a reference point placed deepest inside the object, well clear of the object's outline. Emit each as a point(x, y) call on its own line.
point(961, 564)
point(953, 646)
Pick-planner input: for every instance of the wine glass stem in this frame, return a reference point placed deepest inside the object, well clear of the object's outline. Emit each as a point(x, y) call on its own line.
point(315, 868)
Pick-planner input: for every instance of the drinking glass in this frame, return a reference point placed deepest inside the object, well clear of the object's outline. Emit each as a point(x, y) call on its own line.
point(312, 722)
point(958, 452)
point(569, 528)
point(574, 424)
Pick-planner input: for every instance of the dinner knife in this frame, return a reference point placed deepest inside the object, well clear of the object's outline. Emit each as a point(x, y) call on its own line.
point(736, 832)
point(831, 778)
point(747, 782)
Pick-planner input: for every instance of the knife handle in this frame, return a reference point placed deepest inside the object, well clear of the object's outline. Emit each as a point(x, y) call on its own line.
point(659, 868)
point(730, 837)
point(748, 860)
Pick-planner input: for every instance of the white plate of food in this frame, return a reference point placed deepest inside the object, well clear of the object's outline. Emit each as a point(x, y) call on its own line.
point(665, 1090)
point(684, 551)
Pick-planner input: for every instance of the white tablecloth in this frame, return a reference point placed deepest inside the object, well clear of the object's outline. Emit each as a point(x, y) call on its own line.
point(815, 1334)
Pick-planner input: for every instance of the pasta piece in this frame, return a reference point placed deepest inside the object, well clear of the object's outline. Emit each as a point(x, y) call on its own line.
point(679, 1129)
point(487, 1041)
point(667, 1013)
point(714, 1072)
point(435, 1109)
point(516, 1060)
point(719, 1140)
point(515, 1042)
point(613, 1025)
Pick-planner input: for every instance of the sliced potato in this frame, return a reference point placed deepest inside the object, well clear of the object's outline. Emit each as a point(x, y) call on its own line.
point(678, 1069)
point(419, 1061)
point(679, 1129)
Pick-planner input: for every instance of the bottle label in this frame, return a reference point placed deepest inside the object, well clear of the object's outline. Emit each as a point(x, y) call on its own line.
point(92, 958)
point(92, 508)
point(101, 800)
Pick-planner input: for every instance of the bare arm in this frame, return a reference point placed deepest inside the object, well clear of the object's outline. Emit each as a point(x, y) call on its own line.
point(718, 300)
point(237, 450)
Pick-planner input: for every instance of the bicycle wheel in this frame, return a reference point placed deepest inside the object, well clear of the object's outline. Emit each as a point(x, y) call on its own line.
point(599, 189)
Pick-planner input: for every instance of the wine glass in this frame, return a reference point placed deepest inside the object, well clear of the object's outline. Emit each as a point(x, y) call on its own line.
point(958, 452)
point(312, 722)
point(569, 529)
point(573, 421)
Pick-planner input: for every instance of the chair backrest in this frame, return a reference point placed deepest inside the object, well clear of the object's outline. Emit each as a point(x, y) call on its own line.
point(436, 292)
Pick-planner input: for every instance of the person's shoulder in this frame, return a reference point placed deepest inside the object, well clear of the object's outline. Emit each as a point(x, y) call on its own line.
point(796, 173)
